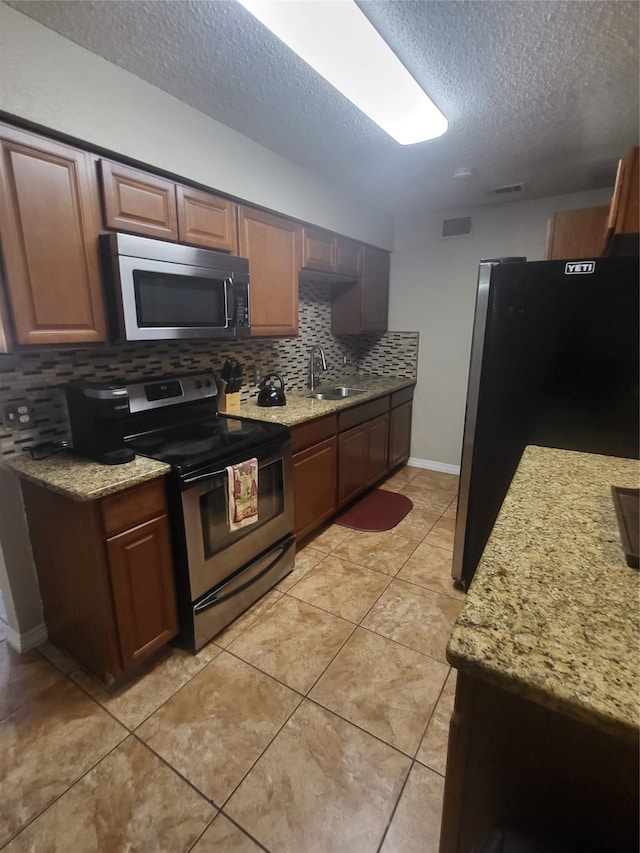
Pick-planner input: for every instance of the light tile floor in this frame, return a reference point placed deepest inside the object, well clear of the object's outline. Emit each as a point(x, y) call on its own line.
point(316, 723)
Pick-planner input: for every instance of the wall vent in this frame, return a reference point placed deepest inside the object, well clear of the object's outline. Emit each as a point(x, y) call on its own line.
point(456, 227)
point(507, 189)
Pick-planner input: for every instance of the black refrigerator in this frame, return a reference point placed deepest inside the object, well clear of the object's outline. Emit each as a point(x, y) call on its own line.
point(554, 362)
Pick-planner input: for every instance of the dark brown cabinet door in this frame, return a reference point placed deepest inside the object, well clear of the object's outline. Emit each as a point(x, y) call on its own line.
point(318, 249)
point(348, 255)
point(205, 219)
point(375, 289)
point(272, 245)
point(400, 434)
point(141, 574)
point(49, 227)
point(138, 202)
point(364, 306)
point(378, 448)
point(353, 462)
point(315, 486)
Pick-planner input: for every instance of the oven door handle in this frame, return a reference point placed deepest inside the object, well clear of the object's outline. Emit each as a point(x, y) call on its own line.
point(198, 478)
point(219, 595)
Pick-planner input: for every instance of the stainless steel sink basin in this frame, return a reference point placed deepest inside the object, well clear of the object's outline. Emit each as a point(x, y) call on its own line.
point(338, 392)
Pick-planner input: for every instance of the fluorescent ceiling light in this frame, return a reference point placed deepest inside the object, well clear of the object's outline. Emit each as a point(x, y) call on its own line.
point(336, 39)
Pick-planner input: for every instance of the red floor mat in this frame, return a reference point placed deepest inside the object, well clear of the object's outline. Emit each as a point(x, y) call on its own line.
point(379, 510)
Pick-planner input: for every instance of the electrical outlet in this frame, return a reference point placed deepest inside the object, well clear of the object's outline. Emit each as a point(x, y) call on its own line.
point(17, 415)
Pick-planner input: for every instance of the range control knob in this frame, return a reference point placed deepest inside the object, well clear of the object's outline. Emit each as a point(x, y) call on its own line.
point(198, 383)
point(207, 383)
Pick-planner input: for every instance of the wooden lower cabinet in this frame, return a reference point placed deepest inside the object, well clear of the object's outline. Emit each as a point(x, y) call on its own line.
point(141, 574)
point(378, 449)
point(518, 766)
point(106, 574)
point(400, 434)
point(315, 485)
point(362, 457)
point(353, 458)
point(338, 456)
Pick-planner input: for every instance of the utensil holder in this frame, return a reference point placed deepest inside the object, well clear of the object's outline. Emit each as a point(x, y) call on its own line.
point(228, 404)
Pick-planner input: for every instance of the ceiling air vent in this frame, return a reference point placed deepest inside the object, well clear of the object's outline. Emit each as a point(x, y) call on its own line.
point(456, 227)
point(507, 189)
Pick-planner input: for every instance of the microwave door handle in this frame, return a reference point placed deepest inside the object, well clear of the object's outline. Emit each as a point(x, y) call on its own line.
point(228, 303)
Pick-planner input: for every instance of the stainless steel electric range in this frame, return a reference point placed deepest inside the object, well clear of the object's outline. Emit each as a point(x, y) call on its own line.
point(219, 571)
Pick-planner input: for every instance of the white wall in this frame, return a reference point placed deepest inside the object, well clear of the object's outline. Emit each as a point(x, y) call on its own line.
point(51, 81)
point(433, 285)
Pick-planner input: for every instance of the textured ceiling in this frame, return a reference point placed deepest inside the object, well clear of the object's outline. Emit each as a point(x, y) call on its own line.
point(544, 93)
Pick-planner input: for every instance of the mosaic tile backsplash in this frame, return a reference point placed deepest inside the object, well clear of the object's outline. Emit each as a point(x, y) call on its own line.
point(40, 376)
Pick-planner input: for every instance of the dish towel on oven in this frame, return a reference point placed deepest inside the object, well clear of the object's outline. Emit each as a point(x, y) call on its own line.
point(242, 491)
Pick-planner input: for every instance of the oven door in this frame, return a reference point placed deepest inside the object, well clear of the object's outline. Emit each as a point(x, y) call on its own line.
point(214, 551)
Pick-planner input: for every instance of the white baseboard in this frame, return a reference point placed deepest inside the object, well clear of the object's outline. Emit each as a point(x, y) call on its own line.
point(433, 466)
point(26, 640)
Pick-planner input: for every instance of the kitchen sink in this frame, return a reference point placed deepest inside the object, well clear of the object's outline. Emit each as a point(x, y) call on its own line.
point(338, 392)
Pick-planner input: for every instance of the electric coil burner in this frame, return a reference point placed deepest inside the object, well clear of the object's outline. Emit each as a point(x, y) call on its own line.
point(219, 571)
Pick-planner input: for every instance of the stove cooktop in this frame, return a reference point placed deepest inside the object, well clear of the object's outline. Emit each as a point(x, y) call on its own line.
point(216, 441)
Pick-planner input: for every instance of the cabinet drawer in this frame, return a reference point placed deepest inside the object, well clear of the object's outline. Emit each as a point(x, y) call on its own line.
point(366, 412)
point(313, 432)
point(133, 506)
point(405, 395)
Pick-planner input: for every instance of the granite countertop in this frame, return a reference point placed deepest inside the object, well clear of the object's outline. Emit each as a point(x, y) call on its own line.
point(301, 408)
point(552, 612)
point(83, 480)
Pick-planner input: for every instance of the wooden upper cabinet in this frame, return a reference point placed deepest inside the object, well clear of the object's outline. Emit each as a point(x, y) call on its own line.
point(146, 204)
point(375, 289)
point(138, 202)
point(271, 243)
point(49, 224)
point(205, 219)
point(364, 306)
point(318, 249)
point(348, 257)
point(326, 252)
point(576, 233)
point(623, 221)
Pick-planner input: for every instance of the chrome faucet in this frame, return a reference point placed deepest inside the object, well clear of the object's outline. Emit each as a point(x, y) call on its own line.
point(316, 349)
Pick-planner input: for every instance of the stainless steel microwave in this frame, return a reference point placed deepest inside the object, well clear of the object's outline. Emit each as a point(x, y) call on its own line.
point(166, 291)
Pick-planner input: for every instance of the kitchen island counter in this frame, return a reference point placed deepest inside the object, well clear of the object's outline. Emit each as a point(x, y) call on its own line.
point(552, 613)
point(543, 739)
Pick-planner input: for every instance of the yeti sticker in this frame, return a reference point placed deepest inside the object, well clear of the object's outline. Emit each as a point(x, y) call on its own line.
point(579, 267)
